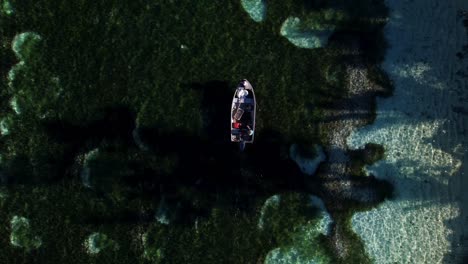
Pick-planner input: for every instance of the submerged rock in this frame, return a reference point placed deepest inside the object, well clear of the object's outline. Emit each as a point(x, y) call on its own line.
point(25, 44)
point(153, 254)
point(97, 242)
point(5, 125)
point(137, 138)
point(14, 105)
point(151, 251)
point(30, 81)
point(21, 235)
point(14, 72)
point(7, 8)
point(271, 203)
point(292, 256)
point(255, 8)
point(85, 172)
point(325, 223)
point(304, 225)
point(305, 36)
point(308, 165)
point(312, 206)
point(162, 215)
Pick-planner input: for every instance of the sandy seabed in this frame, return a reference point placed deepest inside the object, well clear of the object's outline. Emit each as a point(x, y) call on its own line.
point(423, 129)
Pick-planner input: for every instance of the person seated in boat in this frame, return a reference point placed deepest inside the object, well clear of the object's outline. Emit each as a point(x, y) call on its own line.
point(236, 125)
point(239, 125)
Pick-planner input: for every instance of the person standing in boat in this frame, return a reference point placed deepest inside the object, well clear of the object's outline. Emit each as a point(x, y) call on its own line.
point(242, 93)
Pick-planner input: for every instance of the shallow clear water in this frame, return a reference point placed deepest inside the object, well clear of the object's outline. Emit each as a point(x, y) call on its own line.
point(424, 137)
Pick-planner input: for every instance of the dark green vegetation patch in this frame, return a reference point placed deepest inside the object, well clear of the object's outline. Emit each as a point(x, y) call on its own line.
point(147, 86)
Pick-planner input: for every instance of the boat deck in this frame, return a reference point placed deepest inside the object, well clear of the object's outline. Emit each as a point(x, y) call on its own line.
point(243, 115)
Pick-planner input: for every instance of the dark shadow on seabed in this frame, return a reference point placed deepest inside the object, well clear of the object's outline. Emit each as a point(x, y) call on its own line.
point(213, 169)
point(115, 126)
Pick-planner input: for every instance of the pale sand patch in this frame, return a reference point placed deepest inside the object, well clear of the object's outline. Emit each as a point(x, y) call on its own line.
point(423, 137)
point(255, 8)
point(293, 29)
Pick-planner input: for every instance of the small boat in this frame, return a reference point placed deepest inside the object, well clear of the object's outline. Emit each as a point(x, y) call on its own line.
point(243, 114)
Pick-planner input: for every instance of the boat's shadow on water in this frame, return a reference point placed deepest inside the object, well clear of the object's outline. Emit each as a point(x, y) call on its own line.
point(212, 168)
